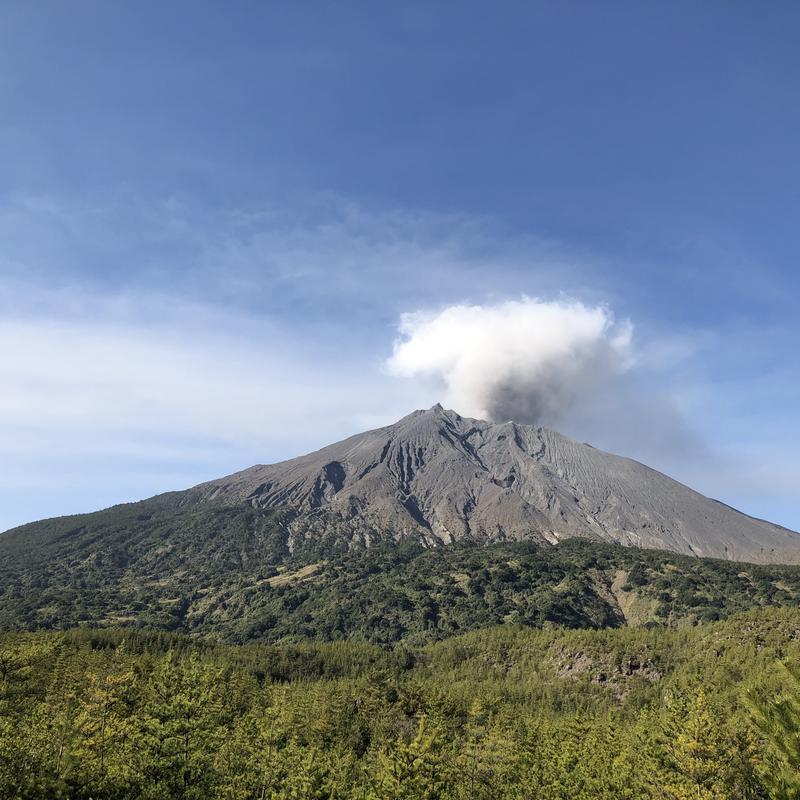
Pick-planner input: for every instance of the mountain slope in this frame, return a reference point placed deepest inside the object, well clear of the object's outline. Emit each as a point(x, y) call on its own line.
point(389, 592)
point(442, 477)
point(333, 543)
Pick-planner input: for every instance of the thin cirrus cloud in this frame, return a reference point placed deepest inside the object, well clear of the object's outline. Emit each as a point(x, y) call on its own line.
point(115, 406)
point(129, 377)
point(303, 262)
point(265, 336)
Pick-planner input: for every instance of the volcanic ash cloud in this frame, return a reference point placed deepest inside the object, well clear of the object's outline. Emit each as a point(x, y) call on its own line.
point(528, 360)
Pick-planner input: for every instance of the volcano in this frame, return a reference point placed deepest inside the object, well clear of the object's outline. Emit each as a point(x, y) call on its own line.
point(441, 477)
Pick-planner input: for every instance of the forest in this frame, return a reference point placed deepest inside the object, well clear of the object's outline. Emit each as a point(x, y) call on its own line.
point(707, 711)
point(222, 576)
point(221, 666)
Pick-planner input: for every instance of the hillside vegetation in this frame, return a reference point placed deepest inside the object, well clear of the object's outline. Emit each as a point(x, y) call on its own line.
point(156, 651)
point(703, 712)
point(226, 573)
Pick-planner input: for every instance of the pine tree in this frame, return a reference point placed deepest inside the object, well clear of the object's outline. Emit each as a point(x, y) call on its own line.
point(697, 750)
point(102, 723)
point(776, 716)
point(178, 731)
point(411, 771)
point(249, 760)
point(485, 754)
point(56, 725)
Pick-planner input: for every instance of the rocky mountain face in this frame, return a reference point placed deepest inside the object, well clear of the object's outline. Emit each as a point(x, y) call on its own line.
point(440, 477)
point(277, 552)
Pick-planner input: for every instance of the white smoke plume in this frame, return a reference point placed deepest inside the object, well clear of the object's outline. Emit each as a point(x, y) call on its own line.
point(528, 360)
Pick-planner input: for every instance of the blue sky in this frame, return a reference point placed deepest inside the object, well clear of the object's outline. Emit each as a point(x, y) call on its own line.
point(213, 217)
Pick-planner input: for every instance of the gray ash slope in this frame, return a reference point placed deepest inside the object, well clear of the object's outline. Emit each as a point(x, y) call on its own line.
point(441, 477)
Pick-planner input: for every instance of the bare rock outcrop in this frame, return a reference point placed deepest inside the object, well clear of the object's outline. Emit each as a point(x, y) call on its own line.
point(441, 477)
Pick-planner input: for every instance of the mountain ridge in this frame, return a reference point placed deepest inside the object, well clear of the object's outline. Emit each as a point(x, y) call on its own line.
point(442, 477)
point(342, 542)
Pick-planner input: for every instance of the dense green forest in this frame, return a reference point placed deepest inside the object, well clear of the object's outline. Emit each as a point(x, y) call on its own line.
point(152, 651)
point(226, 573)
point(710, 711)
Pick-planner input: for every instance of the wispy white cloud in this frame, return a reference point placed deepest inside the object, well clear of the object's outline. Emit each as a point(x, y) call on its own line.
point(146, 347)
point(304, 261)
point(198, 392)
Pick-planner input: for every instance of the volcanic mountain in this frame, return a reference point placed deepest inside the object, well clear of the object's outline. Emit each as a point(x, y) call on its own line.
point(441, 477)
point(433, 525)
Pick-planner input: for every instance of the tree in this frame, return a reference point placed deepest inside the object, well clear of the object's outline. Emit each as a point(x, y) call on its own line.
point(696, 748)
point(412, 770)
point(249, 759)
point(177, 733)
point(103, 724)
point(484, 755)
point(776, 716)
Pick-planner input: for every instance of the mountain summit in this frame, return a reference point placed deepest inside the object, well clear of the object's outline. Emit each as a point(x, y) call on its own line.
point(340, 542)
point(441, 477)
